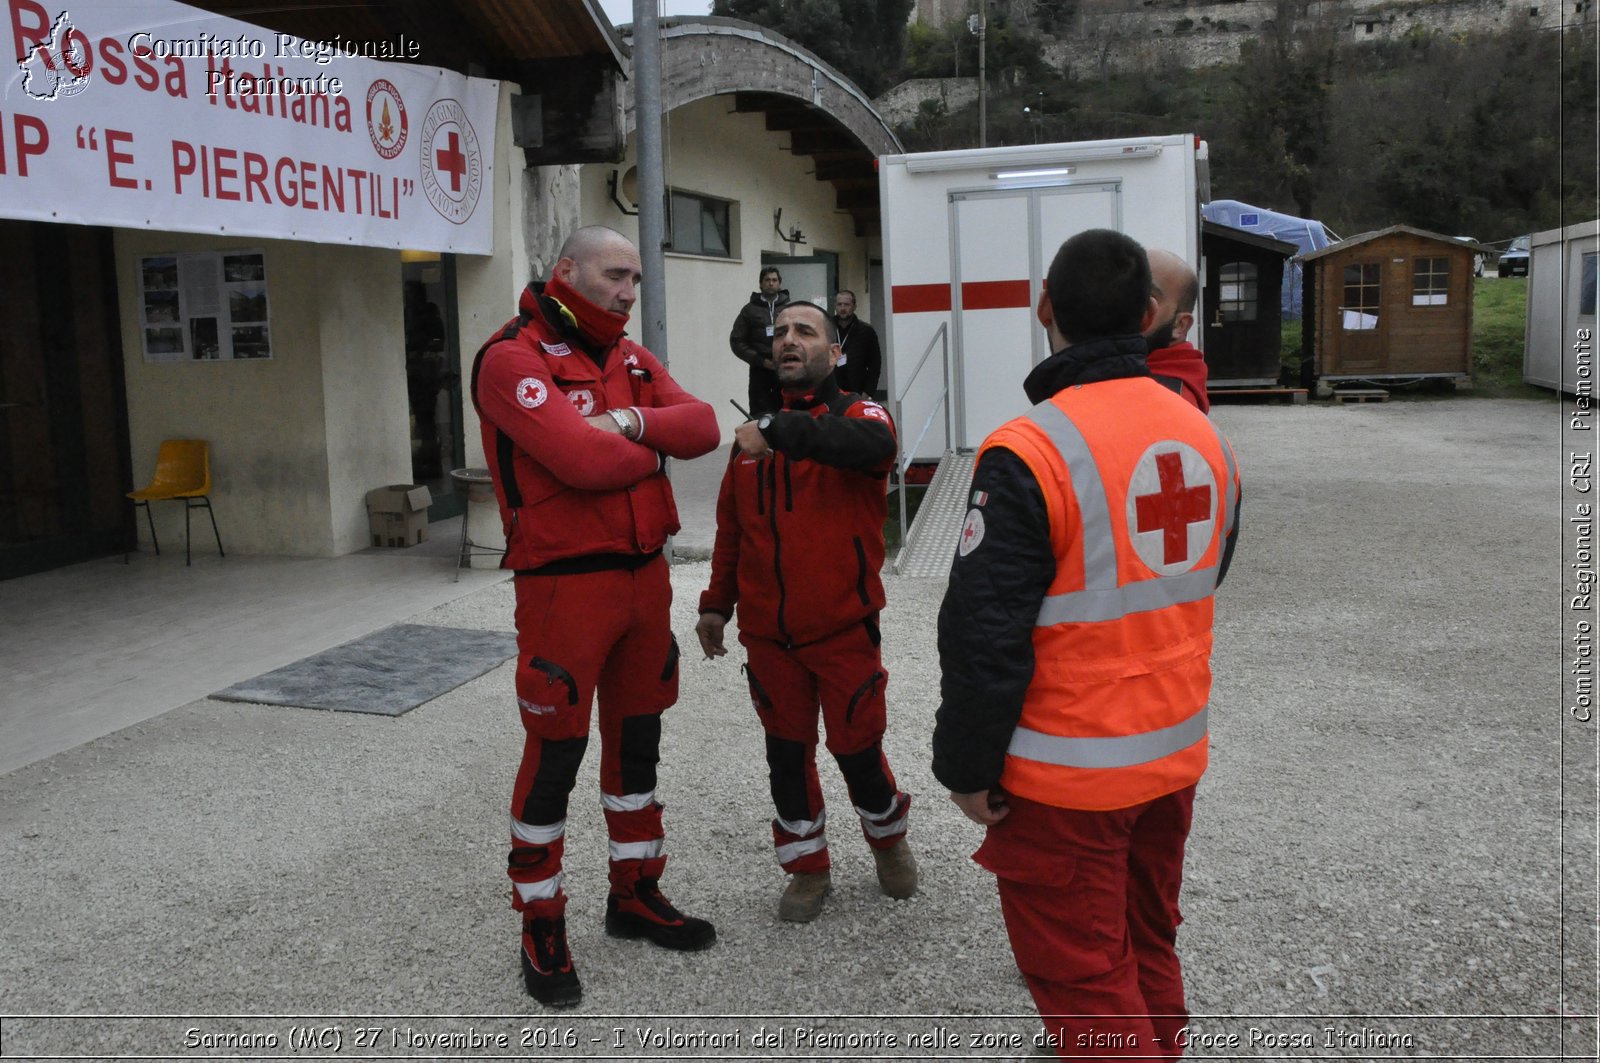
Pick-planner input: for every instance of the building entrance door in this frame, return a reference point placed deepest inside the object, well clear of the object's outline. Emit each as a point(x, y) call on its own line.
point(433, 380)
point(64, 467)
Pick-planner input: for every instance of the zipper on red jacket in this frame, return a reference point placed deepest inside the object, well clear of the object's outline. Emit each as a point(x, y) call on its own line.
point(777, 548)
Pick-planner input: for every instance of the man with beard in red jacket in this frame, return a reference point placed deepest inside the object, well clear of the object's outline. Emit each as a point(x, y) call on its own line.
point(799, 547)
point(577, 422)
point(1173, 360)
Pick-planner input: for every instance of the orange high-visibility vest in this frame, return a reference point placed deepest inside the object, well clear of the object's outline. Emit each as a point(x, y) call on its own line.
point(1141, 491)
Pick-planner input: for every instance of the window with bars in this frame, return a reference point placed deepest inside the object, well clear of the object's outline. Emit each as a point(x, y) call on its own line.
point(1361, 292)
point(698, 225)
point(1237, 290)
point(1430, 282)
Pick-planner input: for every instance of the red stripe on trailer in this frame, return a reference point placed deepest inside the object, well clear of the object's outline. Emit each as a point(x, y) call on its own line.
point(919, 298)
point(996, 295)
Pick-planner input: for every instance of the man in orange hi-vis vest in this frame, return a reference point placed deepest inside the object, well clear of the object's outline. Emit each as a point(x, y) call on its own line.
point(1075, 643)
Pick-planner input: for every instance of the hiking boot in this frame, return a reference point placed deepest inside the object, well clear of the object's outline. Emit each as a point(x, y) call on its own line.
point(547, 970)
point(802, 898)
point(647, 914)
point(897, 870)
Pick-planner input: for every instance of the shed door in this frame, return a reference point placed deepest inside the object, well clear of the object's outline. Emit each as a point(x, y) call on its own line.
point(1003, 244)
point(1242, 327)
point(1359, 324)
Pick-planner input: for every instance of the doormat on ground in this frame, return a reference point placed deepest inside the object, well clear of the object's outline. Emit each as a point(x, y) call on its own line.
point(387, 672)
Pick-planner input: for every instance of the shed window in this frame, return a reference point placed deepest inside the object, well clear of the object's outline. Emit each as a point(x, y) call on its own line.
point(1360, 308)
point(1430, 282)
point(1236, 292)
point(698, 225)
point(1586, 285)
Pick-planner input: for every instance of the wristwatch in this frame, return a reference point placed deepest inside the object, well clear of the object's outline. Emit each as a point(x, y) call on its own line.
point(624, 422)
point(763, 422)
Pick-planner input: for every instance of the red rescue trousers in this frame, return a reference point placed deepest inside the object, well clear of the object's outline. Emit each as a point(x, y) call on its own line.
point(1090, 901)
point(607, 633)
point(844, 674)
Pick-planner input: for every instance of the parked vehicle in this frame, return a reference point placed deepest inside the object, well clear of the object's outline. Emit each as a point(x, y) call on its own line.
point(1514, 260)
point(1477, 260)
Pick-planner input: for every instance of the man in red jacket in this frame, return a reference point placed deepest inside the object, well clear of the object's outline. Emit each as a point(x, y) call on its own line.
point(1173, 360)
point(798, 548)
point(577, 421)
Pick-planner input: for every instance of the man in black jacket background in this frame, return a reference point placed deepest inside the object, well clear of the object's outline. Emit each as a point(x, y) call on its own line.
point(861, 362)
point(751, 339)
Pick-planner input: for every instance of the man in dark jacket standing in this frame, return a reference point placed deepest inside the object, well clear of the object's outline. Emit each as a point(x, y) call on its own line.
point(860, 357)
point(1075, 649)
point(802, 499)
point(577, 420)
point(751, 339)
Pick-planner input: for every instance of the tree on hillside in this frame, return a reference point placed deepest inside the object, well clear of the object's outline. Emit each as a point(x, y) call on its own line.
point(863, 39)
point(1279, 113)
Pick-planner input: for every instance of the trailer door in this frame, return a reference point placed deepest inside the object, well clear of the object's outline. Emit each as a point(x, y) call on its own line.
point(1004, 240)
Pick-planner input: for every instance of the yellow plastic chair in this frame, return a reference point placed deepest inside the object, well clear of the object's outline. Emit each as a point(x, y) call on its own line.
point(183, 474)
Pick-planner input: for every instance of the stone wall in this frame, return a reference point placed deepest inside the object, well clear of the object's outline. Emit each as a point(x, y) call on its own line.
point(900, 104)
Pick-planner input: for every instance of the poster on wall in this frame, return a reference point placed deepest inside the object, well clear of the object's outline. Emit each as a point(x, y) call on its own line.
point(204, 306)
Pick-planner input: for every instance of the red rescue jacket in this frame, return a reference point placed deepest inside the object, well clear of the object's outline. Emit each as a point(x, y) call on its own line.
point(800, 532)
point(566, 488)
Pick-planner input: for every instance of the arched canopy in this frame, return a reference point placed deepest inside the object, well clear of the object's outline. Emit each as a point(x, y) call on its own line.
point(826, 116)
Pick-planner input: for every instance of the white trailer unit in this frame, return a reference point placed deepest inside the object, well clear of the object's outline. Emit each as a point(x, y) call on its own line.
point(1560, 337)
point(968, 237)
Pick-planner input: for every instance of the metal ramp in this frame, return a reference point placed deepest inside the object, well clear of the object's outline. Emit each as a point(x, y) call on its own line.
point(930, 543)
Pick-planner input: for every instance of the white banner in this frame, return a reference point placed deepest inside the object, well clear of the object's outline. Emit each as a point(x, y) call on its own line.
point(156, 115)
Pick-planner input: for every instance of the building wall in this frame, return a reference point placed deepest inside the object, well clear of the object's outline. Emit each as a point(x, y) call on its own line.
point(712, 151)
point(296, 439)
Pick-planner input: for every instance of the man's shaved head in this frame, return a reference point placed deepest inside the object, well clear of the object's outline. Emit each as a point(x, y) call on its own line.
point(1175, 288)
point(590, 239)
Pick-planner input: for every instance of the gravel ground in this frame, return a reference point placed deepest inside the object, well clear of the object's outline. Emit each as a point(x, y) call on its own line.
point(1379, 840)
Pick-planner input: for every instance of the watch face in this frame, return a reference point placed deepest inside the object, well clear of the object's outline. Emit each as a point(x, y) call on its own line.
point(764, 421)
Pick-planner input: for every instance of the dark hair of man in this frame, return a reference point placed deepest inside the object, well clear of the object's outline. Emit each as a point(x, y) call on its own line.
point(766, 270)
point(822, 315)
point(845, 291)
point(1099, 285)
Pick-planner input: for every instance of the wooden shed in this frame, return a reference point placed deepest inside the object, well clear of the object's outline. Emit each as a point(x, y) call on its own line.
point(1242, 303)
point(1392, 304)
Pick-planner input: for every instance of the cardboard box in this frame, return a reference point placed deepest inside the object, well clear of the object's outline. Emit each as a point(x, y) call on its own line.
point(398, 514)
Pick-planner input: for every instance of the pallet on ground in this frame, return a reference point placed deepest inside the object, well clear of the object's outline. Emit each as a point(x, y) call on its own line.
point(1297, 396)
point(1343, 395)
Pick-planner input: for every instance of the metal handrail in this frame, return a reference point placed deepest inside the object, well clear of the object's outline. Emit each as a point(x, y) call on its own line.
point(942, 338)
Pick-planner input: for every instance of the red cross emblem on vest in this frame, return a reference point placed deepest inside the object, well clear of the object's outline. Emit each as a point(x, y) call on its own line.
point(1171, 506)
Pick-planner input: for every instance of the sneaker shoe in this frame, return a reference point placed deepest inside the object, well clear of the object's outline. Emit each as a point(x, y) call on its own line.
point(802, 897)
point(547, 969)
point(897, 870)
point(649, 915)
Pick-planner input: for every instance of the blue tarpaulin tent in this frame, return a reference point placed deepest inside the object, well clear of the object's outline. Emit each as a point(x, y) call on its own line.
point(1302, 232)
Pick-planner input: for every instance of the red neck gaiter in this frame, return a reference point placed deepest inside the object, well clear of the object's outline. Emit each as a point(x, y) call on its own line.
point(600, 327)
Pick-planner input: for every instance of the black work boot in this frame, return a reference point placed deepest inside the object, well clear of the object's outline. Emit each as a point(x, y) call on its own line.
point(547, 969)
point(645, 913)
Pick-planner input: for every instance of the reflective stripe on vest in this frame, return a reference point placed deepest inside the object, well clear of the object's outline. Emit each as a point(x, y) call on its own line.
point(1124, 751)
point(1101, 597)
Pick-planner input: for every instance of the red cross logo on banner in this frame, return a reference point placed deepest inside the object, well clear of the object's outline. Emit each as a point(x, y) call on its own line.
point(453, 166)
point(1172, 507)
point(450, 160)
